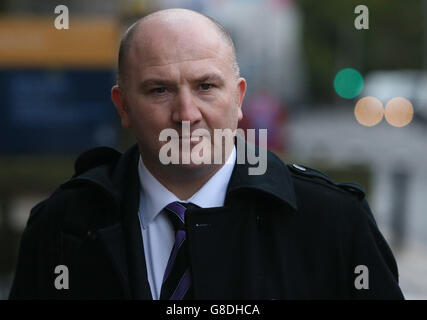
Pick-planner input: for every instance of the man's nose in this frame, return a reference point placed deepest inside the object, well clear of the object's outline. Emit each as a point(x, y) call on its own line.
point(185, 107)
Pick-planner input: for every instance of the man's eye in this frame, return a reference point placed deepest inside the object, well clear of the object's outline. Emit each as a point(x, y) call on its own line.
point(158, 90)
point(205, 86)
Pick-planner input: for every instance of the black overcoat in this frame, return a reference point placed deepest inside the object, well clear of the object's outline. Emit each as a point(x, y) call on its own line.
point(288, 234)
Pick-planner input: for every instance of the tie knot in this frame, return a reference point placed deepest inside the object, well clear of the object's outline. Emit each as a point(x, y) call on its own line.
point(176, 213)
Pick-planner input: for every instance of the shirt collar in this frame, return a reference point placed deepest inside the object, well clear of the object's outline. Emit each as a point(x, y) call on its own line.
point(155, 196)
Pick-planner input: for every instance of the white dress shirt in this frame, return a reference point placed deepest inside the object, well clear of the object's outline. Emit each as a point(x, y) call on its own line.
point(157, 231)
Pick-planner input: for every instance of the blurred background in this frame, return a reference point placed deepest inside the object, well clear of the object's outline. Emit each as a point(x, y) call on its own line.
point(339, 91)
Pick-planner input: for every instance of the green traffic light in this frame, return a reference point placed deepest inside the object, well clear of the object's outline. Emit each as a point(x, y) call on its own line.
point(348, 83)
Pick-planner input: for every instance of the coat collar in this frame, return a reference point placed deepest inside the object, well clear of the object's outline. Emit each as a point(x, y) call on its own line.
point(276, 182)
point(116, 169)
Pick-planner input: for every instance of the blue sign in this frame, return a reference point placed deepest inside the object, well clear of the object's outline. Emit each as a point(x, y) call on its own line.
point(56, 112)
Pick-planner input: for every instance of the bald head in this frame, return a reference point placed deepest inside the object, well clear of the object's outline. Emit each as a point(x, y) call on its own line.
point(140, 30)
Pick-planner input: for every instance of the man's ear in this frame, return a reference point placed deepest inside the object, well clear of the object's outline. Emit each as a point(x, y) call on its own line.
point(118, 98)
point(241, 90)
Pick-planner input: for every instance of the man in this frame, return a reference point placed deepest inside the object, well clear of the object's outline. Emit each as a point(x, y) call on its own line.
point(127, 226)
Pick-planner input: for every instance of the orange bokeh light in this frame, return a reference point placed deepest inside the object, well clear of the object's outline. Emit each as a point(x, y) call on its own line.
point(399, 112)
point(369, 111)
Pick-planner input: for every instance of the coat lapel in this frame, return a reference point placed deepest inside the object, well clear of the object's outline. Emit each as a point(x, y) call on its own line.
point(135, 249)
point(127, 180)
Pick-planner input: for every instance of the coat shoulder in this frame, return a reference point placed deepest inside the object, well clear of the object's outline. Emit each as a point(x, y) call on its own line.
point(95, 157)
point(312, 178)
point(53, 210)
point(79, 193)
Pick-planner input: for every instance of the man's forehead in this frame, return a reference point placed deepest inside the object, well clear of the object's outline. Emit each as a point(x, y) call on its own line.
point(172, 72)
point(163, 57)
point(162, 41)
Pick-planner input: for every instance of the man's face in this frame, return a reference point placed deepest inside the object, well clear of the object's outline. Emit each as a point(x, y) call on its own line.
point(175, 74)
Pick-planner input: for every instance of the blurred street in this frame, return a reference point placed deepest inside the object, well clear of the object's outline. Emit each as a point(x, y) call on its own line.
point(412, 263)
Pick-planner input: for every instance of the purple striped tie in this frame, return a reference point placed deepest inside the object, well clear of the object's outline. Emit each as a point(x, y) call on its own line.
point(177, 278)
